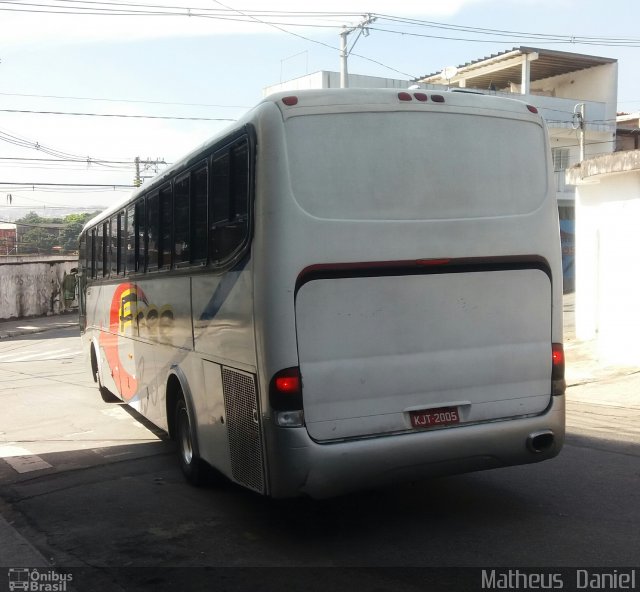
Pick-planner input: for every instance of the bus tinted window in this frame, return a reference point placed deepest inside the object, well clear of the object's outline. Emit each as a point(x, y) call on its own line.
point(140, 218)
point(105, 248)
point(240, 181)
point(114, 228)
point(122, 244)
point(166, 223)
point(153, 231)
point(220, 189)
point(130, 248)
point(229, 200)
point(199, 214)
point(91, 250)
point(181, 249)
point(82, 253)
point(99, 251)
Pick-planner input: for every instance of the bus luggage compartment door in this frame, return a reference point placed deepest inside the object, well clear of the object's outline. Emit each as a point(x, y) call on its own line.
point(376, 350)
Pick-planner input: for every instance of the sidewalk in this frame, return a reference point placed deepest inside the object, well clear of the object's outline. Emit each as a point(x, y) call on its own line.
point(17, 327)
point(588, 380)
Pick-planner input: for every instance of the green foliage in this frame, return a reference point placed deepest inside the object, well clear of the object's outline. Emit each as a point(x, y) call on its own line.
point(40, 235)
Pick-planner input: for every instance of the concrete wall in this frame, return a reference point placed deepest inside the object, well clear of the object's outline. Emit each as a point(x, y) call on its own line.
point(607, 275)
point(32, 288)
point(599, 83)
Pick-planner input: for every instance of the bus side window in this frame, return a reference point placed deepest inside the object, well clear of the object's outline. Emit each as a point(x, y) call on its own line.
point(106, 240)
point(230, 198)
point(130, 243)
point(219, 211)
point(181, 243)
point(91, 253)
point(82, 255)
point(113, 245)
point(122, 237)
point(140, 238)
point(153, 231)
point(240, 163)
point(98, 252)
point(199, 214)
point(166, 227)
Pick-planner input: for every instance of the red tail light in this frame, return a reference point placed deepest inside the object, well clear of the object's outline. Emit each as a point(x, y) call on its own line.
point(558, 383)
point(287, 384)
point(285, 390)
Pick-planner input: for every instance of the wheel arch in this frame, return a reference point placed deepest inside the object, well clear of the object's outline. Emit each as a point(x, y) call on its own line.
point(178, 386)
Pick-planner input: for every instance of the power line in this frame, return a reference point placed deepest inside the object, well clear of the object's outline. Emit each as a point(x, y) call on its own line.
point(552, 38)
point(266, 17)
point(209, 105)
point(71, 185)
point(116, 115)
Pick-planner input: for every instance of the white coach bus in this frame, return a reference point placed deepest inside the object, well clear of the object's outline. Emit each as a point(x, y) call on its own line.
point(349, 288)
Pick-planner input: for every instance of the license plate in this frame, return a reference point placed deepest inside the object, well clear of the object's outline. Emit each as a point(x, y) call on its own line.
point(432, 418)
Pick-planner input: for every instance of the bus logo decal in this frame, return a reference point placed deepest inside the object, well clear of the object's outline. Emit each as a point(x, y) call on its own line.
point(122, 313)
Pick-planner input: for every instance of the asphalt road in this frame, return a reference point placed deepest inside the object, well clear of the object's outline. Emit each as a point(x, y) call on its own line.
point(108, 496)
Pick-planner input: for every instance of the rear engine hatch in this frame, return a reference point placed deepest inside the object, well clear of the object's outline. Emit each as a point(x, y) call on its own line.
point(374, 350)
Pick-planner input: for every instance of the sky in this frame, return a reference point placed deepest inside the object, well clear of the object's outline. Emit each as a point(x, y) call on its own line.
point(182, 70)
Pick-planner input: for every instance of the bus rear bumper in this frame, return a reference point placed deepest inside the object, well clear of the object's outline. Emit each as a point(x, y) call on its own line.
point(302, 466)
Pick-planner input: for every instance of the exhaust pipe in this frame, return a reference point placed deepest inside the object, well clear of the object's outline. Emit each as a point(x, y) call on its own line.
point(540, 441)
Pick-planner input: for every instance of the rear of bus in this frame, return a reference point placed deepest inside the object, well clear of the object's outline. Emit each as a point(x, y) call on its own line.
point(408, 288)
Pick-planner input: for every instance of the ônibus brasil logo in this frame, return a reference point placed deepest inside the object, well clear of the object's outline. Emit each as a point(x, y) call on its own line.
point(38, 580)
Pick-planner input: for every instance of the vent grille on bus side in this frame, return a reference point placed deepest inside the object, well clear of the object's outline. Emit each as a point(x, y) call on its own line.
point(243, 428)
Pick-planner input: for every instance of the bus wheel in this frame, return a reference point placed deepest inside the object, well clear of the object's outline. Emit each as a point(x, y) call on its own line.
point(192, 466)
point(105, 393)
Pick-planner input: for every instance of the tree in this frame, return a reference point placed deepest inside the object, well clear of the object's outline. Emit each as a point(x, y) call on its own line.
point(39, 235)
point(74, 224)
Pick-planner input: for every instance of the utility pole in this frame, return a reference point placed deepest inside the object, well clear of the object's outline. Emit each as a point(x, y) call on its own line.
point(137, 181)
point(344, 52)
point(580, 124)
point(148, 164)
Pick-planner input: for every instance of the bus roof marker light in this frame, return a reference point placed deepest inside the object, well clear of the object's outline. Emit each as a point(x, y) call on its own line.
point(290, 101)
point(437, 98)
point(422, 97)
point(532, 109)
point(404, 96)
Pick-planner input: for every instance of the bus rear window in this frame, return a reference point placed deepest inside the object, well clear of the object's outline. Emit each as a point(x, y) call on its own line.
point(416, 166)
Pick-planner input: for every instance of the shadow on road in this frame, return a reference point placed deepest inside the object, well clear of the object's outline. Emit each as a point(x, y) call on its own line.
point(129, 506)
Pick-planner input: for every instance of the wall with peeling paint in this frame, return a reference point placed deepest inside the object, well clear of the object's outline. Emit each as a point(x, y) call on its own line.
point(33, 288)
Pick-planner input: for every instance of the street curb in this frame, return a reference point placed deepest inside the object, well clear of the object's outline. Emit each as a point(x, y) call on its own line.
point(17, 551)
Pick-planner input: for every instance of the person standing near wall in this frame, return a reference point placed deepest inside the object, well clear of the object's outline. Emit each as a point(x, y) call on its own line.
point(69, 283)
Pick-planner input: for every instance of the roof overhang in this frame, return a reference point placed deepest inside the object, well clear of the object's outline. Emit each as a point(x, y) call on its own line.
point(499, 70)
point(593, 169)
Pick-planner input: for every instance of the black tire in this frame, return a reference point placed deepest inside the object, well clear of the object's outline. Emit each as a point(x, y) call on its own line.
point(105, 393)
point(108, 396)
point(193, 468)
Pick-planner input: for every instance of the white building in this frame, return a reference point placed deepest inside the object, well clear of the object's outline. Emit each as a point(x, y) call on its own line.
point(608, 243)
point(327, 79)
